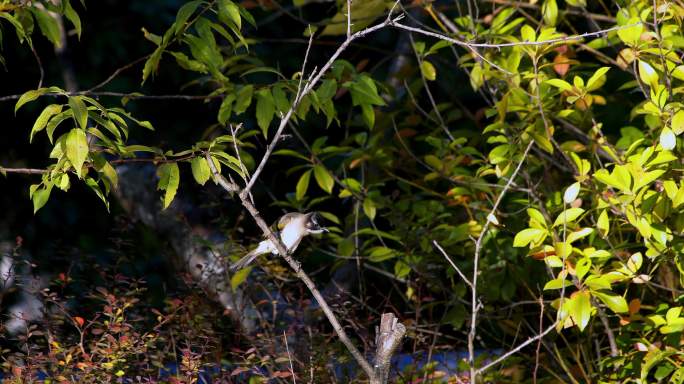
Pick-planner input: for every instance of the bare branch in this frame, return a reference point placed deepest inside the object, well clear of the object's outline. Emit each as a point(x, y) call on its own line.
point(25, 171)
point(478, 247)
point(452, 264)
point(517, 349)
point(514, 44)
point(287, 348)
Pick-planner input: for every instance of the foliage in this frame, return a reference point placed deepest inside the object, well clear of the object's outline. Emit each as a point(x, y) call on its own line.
point(592, 223)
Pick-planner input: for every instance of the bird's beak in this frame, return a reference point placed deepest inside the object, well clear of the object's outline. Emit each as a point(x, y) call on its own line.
point(318, 231)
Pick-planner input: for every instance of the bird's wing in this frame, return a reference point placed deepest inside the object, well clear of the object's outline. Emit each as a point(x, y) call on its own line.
point(286, 218)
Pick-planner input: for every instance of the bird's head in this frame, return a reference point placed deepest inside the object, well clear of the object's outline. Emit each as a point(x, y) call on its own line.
point(311, 224)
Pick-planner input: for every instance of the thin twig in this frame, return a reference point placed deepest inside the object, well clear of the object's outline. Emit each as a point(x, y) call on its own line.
point(452, 263)
point(349, 24)
point(117, 72)
point(429, 93)
point(287, 348)
point(40, 66)
point(122, 94)
point(478, 247)
point(513, 44)
point(307, 88)
point(516, 349)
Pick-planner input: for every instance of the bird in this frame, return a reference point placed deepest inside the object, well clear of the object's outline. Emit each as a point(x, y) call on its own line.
point(291, 228)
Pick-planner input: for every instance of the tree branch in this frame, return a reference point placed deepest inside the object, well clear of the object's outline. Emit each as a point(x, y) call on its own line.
point(478, 247)
point(344, 338)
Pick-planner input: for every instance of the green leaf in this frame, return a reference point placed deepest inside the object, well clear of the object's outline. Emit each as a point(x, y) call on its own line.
point(152, 63)
point(603, 224)
point(579, 307)
point(529, 235)
point(677, 122)
point(169, 178)
point(364, 92)
point(184, 14)
point(187, 63)
point(323, 178)
point(560, 84)
point(40, 196)
point(72, 16)
point(280, 98)
point(226, 108)
point(29, 96)
point(550, 12)
point(92, 184)
point(557, 284)
point(303, 185)
point(568, 216)
point(615, 302)
point(79, 110)
point(401, 269)
point(49, 26)
point(576, 235)
point(327, 89)
point(244, 98)
point(428, 70)
point(379, 254)
point(527, 33)
point(43, 118)
point(19, 28)
point(631, 35)
point(648, 74)
point(265, 110)
point(368, 114)
point(200, 170)
point(239, 277)
point(597, 79)
point(228, 11)
point(77, 149)
point(369, 208)
point(582, 267)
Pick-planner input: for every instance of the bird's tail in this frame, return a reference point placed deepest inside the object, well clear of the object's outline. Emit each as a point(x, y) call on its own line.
point(262, 248)
point(245, 261)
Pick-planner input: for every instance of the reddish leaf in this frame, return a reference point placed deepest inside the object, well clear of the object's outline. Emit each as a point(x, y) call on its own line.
point(561, 64)
point(79, 320)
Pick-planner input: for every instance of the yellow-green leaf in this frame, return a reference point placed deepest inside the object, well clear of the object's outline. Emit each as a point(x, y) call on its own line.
point(169, 178)
point(43, 118)
point(529, 235)
point(677, 122)
point(568, 216)
point(239, 277)
point(603, 224)
point(369, 208)
point(631, 35)
point(615, 302)
point(265, 110)
point(302, 185)
point(40, 196)
point(77, 149)
point(200, 170)
point(428, 70)
point(79, 110)
point(323, 178)
point(648, 74)
point(550, 12)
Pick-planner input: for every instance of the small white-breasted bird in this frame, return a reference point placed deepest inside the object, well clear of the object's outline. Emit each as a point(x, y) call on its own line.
point(291, 228)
